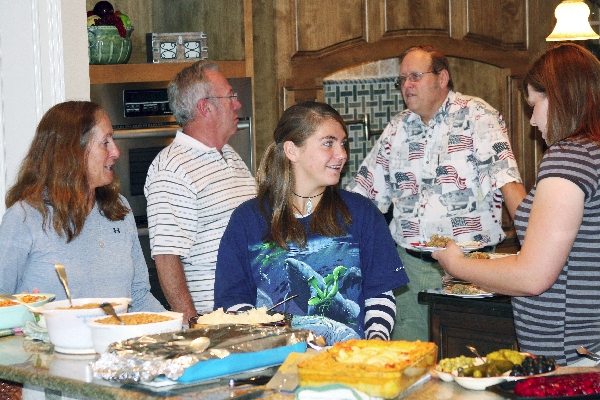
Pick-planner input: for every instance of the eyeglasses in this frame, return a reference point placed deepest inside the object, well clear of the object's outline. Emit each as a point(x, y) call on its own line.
point(233, 96)
point(412, 77)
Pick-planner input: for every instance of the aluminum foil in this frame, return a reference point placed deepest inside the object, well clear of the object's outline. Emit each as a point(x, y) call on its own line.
point(147, 357)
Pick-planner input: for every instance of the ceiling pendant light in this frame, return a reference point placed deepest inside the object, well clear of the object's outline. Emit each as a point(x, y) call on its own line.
point(572, 22)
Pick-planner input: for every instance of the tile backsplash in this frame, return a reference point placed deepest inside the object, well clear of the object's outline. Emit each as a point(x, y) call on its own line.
point(353, 98)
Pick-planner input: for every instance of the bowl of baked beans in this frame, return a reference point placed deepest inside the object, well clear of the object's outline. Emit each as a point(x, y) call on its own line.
point(107, 329)
point(67, 324)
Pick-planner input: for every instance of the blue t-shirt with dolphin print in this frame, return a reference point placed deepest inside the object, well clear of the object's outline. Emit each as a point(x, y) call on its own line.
point(332, 276)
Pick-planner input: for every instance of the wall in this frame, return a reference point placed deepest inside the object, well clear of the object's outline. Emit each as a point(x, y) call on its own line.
point(43, 61)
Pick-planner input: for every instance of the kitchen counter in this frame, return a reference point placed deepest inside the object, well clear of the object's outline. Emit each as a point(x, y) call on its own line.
point(35, 364)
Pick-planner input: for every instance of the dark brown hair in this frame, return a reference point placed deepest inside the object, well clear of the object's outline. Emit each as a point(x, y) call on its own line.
point(53, 174)
point(439, 62)
point(276, 180)
point(569, 76)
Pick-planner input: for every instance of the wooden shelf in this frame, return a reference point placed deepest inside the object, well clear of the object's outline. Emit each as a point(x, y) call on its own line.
point(149, 72)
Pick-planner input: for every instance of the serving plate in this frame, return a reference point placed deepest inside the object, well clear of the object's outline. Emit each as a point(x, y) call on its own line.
point(16, 316)
point(429, 249)
point(470, 296)
point(476, 292)
point(478, 383)
point(507, 390)
point(484, 382)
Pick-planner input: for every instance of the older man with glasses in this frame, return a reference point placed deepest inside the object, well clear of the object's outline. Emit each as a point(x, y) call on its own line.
point(193, 186)
point(445, 164)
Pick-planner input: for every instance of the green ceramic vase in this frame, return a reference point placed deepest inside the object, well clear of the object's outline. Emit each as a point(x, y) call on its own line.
point(106, 46)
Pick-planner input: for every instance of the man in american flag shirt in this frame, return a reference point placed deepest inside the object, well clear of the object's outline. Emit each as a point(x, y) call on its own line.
point(445, 164)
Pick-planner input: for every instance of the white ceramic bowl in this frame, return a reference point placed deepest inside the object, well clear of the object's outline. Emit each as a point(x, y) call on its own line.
point(16, 316)
point(105, 334)
point(445, 376)
point(478, 383)
point(67, 328)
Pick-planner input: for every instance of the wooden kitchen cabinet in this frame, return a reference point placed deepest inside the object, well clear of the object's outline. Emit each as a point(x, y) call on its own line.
point(455, 322)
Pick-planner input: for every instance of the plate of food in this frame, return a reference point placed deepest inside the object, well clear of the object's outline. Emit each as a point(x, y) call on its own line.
point(502, 366)
point(437, 243)
point(487, 256)
point(466, 290)
point(14, 315)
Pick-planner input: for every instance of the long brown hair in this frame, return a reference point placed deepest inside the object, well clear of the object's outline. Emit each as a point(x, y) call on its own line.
point(276, 180)
point(53, 175)
point(569, 76)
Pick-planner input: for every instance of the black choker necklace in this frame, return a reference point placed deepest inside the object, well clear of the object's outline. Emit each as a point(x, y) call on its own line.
point(309, 203)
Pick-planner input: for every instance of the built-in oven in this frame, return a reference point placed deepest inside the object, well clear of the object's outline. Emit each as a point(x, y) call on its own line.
point(143, 125)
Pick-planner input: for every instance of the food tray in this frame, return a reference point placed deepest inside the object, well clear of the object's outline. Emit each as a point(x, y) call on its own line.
point(16, 316)
point(387, 382)
point(507, 391)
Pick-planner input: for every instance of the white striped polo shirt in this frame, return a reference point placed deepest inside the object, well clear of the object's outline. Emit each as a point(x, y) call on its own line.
point(191, 191)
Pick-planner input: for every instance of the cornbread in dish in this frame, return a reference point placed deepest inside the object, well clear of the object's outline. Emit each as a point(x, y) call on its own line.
point(375, 367)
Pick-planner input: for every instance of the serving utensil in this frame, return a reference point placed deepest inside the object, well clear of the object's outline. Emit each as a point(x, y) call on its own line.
point(109, 309)
point(254, 380)
point(197, 345)
point(62, 275)
point(281, 302)
point(474, 351)
point(582, 351)
point(9, 296)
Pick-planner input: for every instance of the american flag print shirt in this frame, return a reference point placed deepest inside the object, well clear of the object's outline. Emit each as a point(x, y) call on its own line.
point(444, 177)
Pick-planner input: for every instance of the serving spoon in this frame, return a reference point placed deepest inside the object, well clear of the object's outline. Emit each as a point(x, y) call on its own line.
point(281, 302)
point(474, 351)
point(110, 310)
point(585, 352)
point(62, 275)
point(9, 296)
point(197, 345)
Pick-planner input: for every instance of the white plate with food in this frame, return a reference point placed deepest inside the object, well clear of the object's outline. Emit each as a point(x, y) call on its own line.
point(478, 383)
point(466, 290)
point(430, 249)
point(14, 315)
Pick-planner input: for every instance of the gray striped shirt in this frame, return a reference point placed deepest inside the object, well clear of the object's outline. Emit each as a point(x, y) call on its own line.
point(191, 191)
point(567, 315)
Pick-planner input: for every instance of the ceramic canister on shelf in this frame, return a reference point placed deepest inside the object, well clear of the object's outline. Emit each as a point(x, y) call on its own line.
point(106, 46)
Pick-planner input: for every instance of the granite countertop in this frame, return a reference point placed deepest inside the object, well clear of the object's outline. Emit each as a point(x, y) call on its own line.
point(35, 363)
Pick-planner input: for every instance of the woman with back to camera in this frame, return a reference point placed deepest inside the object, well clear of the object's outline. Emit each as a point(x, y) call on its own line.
point(555, 278)
point(65, 208)
point(304, 236)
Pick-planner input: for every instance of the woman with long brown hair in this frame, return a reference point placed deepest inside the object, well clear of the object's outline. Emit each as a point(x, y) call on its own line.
point(65, 208)
point(304, 236)
point(555, 278)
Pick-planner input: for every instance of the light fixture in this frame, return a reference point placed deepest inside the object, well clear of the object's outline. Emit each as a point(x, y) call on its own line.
point(572, 22)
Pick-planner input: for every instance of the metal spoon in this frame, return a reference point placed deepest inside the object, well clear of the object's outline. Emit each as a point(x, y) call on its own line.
point(585, 352)
point(9, 296)
point(62, 275)
point(474, 351)
point(281, 302)
point(197, 345)
point(108, 309)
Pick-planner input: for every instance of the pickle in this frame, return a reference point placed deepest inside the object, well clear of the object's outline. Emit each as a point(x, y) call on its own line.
point(503, 365)
point(476, 371)
point(492, 368)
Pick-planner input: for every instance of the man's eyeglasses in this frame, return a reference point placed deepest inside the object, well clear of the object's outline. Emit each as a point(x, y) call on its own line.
point(233, 96)
point(412, 77)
